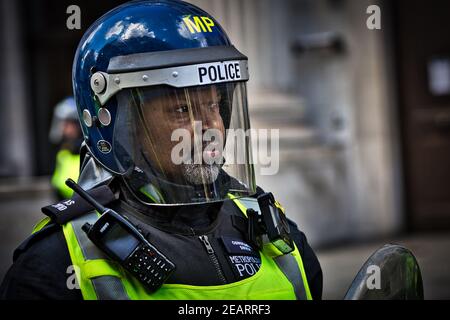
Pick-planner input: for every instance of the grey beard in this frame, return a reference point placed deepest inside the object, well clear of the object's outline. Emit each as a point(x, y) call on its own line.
point(198, 174)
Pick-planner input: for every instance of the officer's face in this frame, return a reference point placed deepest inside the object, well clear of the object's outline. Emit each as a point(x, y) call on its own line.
point(71, 130)
point(191, 110)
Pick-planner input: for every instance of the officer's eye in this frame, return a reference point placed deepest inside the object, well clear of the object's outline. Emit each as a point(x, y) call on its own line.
point(182, 109)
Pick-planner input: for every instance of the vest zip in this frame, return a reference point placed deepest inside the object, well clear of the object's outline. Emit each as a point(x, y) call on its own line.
point(213, 257)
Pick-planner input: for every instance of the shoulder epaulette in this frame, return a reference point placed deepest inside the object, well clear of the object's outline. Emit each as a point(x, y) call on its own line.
point(67, 210)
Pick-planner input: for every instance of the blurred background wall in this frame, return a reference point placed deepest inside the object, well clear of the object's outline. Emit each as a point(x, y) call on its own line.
point(364, 115)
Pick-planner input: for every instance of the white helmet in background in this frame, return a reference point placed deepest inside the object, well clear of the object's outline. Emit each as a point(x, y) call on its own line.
point(66, 110)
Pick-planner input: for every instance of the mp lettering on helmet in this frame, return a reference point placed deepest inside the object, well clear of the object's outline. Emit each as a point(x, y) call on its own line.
point(220, 72)
point(197, 24)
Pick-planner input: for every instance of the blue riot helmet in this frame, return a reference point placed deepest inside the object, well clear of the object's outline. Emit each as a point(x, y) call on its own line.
point(161, 94)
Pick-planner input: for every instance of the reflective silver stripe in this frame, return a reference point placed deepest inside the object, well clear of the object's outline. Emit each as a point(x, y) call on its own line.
point(109, 288)
point(90, 251)
point(178, 77)
point(106, 287)
point(289, 266)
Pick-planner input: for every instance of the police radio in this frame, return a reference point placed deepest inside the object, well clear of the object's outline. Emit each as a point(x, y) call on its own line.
point(270, 221)
point(122, 242)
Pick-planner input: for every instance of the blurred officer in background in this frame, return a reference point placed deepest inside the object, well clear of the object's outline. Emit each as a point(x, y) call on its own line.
point(65, 133)
point(187, 222)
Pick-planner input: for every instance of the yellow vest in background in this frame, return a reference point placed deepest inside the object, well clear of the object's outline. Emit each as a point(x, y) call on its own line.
point(67, 166)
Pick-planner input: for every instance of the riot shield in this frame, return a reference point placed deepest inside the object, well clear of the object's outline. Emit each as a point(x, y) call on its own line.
point(391, 273)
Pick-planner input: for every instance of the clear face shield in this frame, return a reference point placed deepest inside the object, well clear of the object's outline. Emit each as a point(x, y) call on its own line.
point(184, 145)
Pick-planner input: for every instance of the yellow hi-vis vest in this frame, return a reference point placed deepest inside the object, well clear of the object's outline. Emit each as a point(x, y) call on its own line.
point(280, 277)
point(67, 166)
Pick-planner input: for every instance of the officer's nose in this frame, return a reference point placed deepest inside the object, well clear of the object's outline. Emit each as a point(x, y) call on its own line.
point(209, 117)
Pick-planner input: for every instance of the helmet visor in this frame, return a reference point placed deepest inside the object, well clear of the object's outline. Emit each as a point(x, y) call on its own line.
point(184, 145)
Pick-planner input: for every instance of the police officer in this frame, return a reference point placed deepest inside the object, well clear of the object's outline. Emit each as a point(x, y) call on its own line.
point(65, 133)
point(161, 96)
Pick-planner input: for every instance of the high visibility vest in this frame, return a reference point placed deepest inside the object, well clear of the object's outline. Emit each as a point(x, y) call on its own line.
point(280, 277)
point(67, 166)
